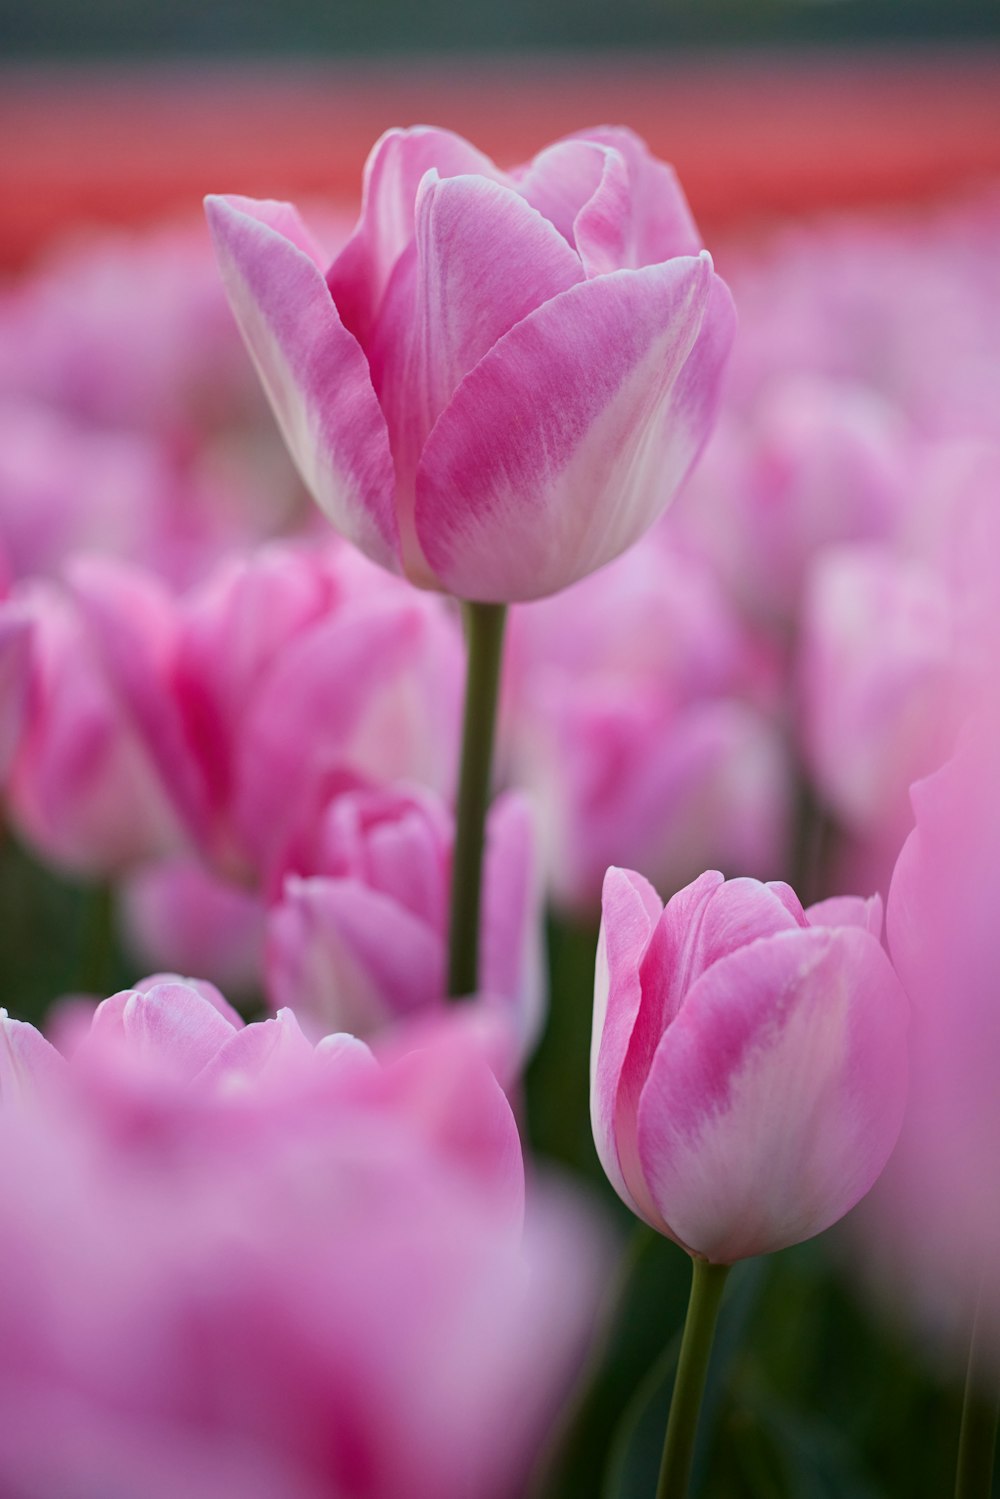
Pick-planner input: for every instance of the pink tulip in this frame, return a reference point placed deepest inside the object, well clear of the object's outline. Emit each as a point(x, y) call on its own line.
point(361, 939)
point(236, 1263)
point(748, 1070)
point(290, 675)
point(503, 377)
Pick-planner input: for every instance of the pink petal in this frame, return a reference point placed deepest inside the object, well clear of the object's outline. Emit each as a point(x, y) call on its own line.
point(582, 189)
point(394, 170)
point(661, 225)
point(570, 436)
point(663, 973)
point(446, 1090)
point(601, 230)
point(201, 987)
point(396, 840)
point(348, 958)
point(296, 733)
point(269, 1051)
point(776, 1096)
point(312, 368)
point(171, 1027)
point(27, 1061)
point(630, 909)
point(177, 911)
point(480, 261)
point(131, 621)
point(848, 910)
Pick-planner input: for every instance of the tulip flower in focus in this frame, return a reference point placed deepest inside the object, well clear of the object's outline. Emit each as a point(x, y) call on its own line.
point(748, 1069)
point(281, 1271)
point(502, 377)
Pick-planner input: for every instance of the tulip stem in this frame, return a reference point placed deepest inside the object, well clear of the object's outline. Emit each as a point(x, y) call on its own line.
point(707, 1285)
point(977, 1439)
point(484, 634)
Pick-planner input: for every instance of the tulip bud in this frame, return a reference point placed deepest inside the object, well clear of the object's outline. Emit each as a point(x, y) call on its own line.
point(748, 1070)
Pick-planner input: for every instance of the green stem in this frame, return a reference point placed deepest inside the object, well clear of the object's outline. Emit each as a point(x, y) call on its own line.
point(98, 945)
point(484, 632)
point(980, 1409)
point(707, 1284)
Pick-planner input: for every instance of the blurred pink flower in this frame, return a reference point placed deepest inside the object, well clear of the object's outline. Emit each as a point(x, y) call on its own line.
point(942, 1207)
point(127, 330)
point(836, 297)
point(503, 377)
point(637, 713)
point(748, 1068)
point(178, 913)
point(82, 787)
point(360, 938)
point(285, 677)
point(812, 462)
point(877, 694)
point(283, 1271)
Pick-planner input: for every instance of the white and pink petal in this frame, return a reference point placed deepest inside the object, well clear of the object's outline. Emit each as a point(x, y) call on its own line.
point(313, 370)
point(569, 438)
point(776, 1097)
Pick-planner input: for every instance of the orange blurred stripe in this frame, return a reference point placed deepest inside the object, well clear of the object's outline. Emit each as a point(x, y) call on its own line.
point(751, 135)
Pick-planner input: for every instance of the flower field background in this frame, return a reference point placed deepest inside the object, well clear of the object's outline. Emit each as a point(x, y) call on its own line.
point(190, 786)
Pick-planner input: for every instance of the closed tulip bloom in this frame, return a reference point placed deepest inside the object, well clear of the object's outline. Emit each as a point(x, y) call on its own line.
point(748, 1071)
point(503, 377)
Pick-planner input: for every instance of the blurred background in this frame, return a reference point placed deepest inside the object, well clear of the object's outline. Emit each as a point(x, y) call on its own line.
point(114, 112)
